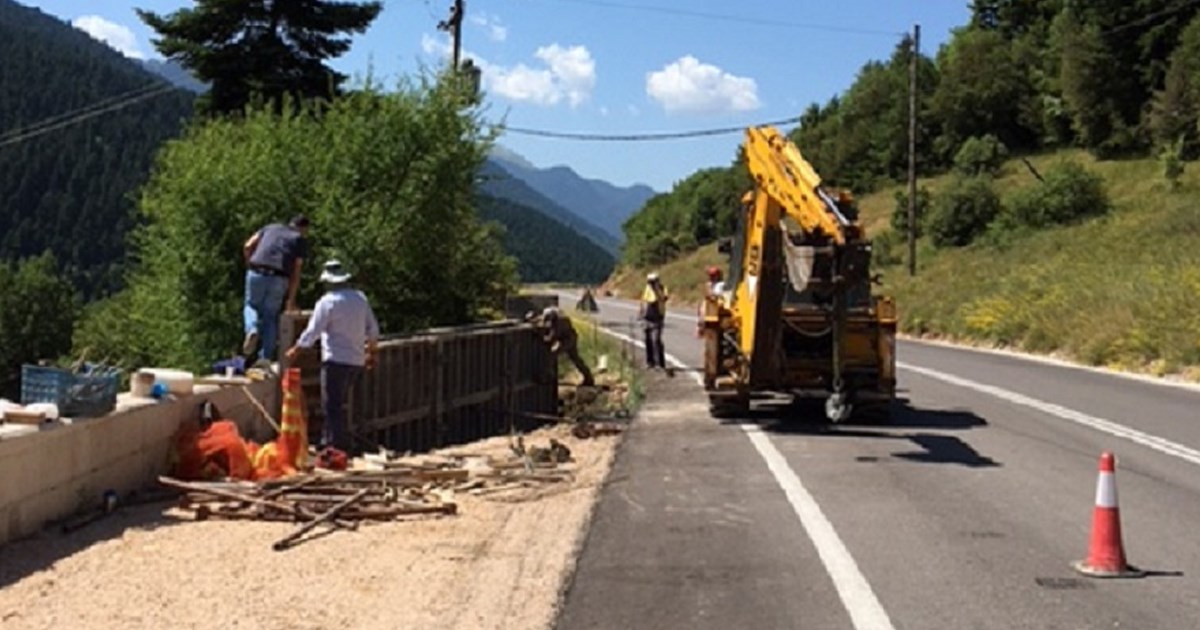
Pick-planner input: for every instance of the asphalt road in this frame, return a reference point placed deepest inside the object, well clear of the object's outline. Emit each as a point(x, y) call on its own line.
point(965, 512)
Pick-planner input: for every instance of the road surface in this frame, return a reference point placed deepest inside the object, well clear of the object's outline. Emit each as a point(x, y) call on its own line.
point(965, 512)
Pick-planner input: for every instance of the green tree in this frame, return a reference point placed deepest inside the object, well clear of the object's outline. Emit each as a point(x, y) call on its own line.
point(37, 311)
point(963, 211)
point(899, 221)
point(1092, 85)
point(271, 48)
point(1175, 109)
point(388, 180)
point(980, 156)
point(1171, 157)
point(985, 89)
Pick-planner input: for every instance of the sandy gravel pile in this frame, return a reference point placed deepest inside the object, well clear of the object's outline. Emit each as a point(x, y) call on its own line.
point(502, 562)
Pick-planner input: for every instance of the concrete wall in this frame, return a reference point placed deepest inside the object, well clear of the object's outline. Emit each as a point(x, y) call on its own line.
point(53, 473)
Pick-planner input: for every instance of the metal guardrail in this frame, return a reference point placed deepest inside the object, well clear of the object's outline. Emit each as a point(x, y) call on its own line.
point(440, 387)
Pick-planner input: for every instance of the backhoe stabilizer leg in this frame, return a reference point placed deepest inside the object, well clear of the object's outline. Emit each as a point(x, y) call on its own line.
point(838, 407)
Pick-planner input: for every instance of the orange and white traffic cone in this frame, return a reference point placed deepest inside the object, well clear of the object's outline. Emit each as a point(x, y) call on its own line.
point(1106, 552)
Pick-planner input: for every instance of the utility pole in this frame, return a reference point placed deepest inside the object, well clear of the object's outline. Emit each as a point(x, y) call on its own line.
point(912, 150)
point(453, 24)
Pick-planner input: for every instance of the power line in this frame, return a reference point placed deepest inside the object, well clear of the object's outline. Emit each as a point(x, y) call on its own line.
point(1144, 20)
point(734, 18)
point(642, 137)
point(75, 112)
point(21, 136)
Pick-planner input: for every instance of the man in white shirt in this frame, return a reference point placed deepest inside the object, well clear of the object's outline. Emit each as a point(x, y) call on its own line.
point(349, 334)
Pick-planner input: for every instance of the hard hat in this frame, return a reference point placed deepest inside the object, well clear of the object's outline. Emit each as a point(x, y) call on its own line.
point(550, 312)
point(713, 272)
point(652, 276)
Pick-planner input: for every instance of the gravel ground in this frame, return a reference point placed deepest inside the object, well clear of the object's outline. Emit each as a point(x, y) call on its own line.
point(502, 562)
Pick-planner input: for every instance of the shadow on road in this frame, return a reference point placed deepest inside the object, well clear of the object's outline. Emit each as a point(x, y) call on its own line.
point(908, 423)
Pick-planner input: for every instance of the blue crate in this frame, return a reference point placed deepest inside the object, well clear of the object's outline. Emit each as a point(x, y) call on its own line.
point(77, 395)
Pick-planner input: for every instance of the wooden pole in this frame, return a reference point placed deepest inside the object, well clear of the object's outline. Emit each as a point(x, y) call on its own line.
point(912, 150)
point(326, 517)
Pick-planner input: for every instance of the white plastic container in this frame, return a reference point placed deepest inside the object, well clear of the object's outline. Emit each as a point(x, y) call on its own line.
point(177, 382)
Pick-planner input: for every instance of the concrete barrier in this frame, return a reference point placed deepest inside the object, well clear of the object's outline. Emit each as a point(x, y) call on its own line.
point(53, 473)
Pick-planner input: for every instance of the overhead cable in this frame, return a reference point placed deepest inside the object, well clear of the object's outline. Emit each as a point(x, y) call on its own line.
point(73, 118)
point(771, 22)
point(641, 137)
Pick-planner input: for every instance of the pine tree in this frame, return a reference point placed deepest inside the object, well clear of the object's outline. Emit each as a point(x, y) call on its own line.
point(273, 48)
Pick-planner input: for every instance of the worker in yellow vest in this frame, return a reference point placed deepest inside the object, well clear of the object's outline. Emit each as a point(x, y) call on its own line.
point(653, 313)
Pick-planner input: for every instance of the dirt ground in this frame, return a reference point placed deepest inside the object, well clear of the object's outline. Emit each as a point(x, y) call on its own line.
point(502, 562)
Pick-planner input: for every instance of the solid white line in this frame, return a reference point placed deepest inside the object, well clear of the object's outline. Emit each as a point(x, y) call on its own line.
point(1159, 444)
point(860, 602)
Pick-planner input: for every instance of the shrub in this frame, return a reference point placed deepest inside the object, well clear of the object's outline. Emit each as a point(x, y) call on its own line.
point(963, 211)
point(980, 156)
point(900, 214)
point(1069, 194)
point(1171, 158)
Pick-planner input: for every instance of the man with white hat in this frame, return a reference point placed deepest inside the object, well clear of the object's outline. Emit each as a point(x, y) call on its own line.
point(558, 331)
point(349, 334)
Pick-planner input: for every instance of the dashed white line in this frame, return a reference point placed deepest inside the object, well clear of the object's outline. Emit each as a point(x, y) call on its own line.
point(1159, 444)
point(860, 602)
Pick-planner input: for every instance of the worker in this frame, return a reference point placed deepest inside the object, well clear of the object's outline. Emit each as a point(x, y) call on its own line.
point(714, 287)
point(274, 256)
point(653, 313)
point(559, 332)
point(349, 334)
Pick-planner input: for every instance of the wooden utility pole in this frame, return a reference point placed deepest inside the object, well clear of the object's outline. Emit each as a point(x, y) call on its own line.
point(453, 24)
point(912, 150)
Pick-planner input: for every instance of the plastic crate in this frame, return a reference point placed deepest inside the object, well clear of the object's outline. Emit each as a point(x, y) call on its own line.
point(77, 395)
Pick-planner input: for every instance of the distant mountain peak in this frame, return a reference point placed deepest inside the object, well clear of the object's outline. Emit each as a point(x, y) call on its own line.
point(506, 155)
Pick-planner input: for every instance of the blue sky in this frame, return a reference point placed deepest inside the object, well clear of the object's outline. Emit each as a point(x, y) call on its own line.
point(597, 66)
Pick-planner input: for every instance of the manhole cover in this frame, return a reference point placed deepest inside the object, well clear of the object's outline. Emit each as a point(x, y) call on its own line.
point(1063, 584)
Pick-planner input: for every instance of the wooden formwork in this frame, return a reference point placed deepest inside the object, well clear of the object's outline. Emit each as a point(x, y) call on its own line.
point(441, 387)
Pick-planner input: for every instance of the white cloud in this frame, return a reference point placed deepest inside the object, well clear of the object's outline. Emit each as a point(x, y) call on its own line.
point(496, 31)
point(566, 74)
point(689, 86)
point(111, 33)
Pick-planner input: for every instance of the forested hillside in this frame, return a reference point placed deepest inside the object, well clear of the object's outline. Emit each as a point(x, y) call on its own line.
point(546, 250)
point(69, 190)
point(1119, 79)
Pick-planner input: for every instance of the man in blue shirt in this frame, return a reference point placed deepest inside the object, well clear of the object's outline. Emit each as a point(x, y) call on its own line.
point(273, 255)
point(349, 334)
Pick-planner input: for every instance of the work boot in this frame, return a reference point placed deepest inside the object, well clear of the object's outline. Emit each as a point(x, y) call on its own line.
point(250, 343)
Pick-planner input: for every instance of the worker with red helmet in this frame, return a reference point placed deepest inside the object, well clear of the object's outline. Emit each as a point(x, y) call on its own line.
point(716, 284)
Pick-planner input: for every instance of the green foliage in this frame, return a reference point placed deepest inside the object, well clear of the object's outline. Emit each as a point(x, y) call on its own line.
point(899, 220)
point(986, 89)
point(963, 211)
point(1092, 85)
point(267, 47)
point(67, 190)
point(980, 156)
point(698, 210)
point(37, 311)
point(1069, 194)
point(860, 139)
point(546, 250)
point(388, 181)
point(1171, 157)
point(1175, 109)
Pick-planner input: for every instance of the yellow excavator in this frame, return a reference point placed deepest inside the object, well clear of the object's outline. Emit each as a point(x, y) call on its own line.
point(798, 316)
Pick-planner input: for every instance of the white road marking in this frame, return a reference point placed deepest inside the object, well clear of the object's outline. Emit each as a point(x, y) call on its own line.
point(860, 602)
point(1159, 444)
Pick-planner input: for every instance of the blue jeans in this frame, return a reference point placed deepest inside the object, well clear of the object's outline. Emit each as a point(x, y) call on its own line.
point(336, 380)
point(260, 313)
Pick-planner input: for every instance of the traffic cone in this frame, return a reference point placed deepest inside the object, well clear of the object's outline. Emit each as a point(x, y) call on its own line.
point(1106, 552)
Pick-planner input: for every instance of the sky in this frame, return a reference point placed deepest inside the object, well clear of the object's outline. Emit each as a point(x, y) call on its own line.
point(615, 66)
